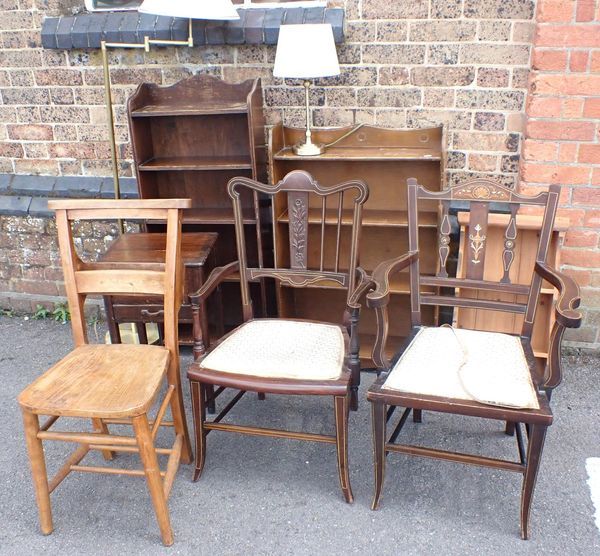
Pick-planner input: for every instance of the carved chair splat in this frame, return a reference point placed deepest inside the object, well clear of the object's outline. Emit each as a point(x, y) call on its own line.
point(434, 369)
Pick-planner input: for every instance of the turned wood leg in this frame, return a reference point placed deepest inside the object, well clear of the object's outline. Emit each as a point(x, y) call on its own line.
point(152, 471)
point(537, 433)
point(38, 470)
point(378, 417)
point(100, 426)
point(510, 428)
point(341, 437)
point(417, 415)
point(198, 416)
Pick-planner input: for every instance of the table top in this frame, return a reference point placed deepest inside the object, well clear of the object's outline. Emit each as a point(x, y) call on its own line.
point(150, 248)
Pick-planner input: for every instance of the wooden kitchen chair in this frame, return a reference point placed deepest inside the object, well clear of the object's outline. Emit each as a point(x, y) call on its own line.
point(468, 372)
point(112, 383)
point(287, 356)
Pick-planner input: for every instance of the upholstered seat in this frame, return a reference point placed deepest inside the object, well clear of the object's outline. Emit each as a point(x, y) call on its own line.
point(487, 367)
point(280, 348)
point(99, 380)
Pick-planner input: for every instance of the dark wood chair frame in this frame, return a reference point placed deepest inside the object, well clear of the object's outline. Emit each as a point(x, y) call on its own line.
point(478, 194)
point(298, 185)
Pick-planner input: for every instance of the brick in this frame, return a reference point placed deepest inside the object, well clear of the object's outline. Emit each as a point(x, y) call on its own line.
point(492, 77)
point(579, 60)
point(49, 26)
point(584, 335)
point(79, 34)
point(444, 54)
point(446, 9)
point(63, 32)
point(585, 10)
point(581, 238)
point(549, 60)
point(568, 35)
point(589, 154)
point(591, 219)
point(387, 97)
point(129, 25)
point(32, 185)
point(553, 173)
point(494, 31)
point(384, 9)
point(95, 29)
point(520, 78)
point(494, 54)
point(567, 152)
point(56, 76)
point(561, 130)
point(544, 107)
point(234, 30)
point(595, 176)
point(555, 11)
point(361, 31)
point(589, 196)
point(442, 76)
point(453, 119)
point(572, 108)
point(11, 150)
point(438, 98)
point(442, 31)
point(394, 54)
point(490, 100)
point(591, 108)
point(509, 164)
point(595, 63)
point(582, 277)
point(584, 258)
point(391, 31)
point(488, 121)
point(475, 141)
point(455, 160)
point(499, 9)
point(14, 205)
point(482, 162)
point(30, 132)
point(393, 75)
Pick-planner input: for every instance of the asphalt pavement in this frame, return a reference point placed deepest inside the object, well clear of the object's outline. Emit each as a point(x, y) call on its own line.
point(272, 496)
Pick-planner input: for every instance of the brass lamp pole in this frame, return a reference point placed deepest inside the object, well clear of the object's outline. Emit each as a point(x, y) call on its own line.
point(198, 9)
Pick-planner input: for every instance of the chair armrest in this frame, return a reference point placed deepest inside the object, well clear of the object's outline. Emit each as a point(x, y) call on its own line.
point(214, 280)
point(381, 278)
point(364, 283)
point(568, 295)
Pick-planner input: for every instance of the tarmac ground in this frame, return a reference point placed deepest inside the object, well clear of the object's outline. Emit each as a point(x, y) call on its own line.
point(272, 496)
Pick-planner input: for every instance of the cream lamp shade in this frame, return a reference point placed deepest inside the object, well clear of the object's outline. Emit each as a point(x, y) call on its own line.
point(305, 52)
point(191, 9)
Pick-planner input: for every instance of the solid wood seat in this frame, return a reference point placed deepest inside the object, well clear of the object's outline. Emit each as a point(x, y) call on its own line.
point(113, 384)
point(471, 372)
point(99, 381)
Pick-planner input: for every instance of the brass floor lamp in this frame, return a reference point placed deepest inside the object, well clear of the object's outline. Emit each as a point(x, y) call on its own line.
point(189, 9)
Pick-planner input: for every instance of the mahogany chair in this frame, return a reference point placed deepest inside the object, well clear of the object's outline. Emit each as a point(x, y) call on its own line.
point(287, 356)
point(112, 383)
point(474, 373)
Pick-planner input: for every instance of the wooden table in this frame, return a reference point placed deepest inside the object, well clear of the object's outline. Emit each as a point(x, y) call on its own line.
point(198, 255)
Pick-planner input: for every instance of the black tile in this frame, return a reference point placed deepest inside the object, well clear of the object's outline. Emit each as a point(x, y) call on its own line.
point(49, 27)
point(63, 32)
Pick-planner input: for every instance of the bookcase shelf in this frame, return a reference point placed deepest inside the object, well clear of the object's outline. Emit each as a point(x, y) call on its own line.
point(189, 140)
point(384, 159)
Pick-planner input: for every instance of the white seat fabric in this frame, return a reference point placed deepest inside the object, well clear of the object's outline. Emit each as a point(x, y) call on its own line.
point(279, 348)
point(487, 367)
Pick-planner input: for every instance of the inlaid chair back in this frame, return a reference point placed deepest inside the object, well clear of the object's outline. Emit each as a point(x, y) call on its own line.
point(113, 278)
point(325, 254)
point(475, 197)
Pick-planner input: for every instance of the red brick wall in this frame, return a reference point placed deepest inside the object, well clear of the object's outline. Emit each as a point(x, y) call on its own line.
point(562, 137)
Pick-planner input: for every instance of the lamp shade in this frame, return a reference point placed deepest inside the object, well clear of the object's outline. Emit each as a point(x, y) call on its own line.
point(306, 51)
point(190, 9)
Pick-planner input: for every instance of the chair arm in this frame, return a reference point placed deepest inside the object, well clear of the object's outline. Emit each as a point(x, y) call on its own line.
point(364, 283)
point(214, 280)
point(568, 295)
point(381, 278)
